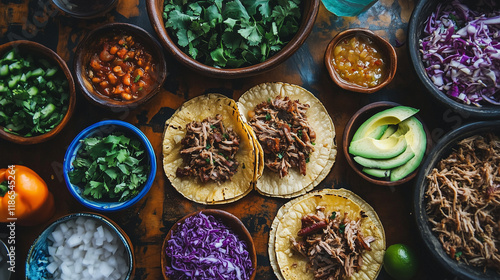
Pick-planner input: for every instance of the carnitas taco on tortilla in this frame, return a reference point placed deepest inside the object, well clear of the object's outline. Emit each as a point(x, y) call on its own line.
point(295, 137)
point(324, 235)
point(209, 154)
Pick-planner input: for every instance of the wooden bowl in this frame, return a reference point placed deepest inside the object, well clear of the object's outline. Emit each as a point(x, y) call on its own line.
point(155, 11)
point(91, 44)
point(352, 126)
point(227, 219)
point(441, 150)
point(38, 250)
point(385, 48)
point(54, 58)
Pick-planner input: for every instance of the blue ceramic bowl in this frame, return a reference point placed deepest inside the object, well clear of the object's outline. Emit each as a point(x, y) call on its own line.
point(36, 260)
point(105, 128)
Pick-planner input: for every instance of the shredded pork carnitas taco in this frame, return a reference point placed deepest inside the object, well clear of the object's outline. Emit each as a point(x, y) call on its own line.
point(294, 134)
point(209, 154)
point(209, 150)
point(284, 133)
point(325, 235)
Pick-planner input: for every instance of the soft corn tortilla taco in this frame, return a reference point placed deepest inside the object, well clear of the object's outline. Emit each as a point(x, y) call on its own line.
point(210, 192)
point(288, 264)
point(319, 162)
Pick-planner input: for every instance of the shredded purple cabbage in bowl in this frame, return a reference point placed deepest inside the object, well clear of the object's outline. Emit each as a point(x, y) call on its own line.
point(461, 51)
point(203, 248)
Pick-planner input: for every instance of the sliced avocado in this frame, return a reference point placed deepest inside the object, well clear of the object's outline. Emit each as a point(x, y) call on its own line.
point(378, 132)
point(417, 140)
point(393, 115)
point(379, 173)
point(381, 149)
point(387, 163)
point(391, 129)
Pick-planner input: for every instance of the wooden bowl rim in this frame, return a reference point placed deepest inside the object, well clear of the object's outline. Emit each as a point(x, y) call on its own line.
point(141, 35)
point(48, 53)
point(350, 130)
point(386, 48)
point(156, 19)
point(237, 227)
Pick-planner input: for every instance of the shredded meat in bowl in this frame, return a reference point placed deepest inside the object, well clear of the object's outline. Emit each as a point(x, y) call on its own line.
point(463, 201)
point(208, 151)
point(333, 245)
point(284, 133)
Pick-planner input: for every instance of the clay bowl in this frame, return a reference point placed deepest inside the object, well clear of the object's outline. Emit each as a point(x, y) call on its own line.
point(351, 127)
point(382, 45)
point(38, 252)
point(227, 219)
point(83, 9)
point(423, 9)
point(40, 51)
point(309, 12)
point(441, 150)
point(91, 44)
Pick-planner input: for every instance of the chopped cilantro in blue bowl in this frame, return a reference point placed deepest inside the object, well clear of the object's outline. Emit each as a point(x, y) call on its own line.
point(109, 166)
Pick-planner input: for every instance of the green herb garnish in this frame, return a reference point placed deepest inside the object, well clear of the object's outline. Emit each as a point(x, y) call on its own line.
point(208, 147)
point(458, 254)
point(232, 33)
point(341, 228)
point(268, 117)
point(137, 78)
point(212, 127)
point(334, 214)
point(111, 168)
point(279, 155)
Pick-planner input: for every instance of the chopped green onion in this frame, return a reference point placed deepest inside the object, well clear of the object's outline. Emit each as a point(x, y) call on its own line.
point(137, 78)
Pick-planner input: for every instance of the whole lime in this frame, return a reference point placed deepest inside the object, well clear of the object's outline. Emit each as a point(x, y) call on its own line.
point(400, 262)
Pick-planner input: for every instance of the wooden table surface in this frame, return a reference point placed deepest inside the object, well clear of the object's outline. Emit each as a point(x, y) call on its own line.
point(147, 222)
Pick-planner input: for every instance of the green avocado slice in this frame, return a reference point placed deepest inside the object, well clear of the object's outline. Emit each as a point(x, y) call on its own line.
point(380, 149)
point(386, 163)
point(417, 140)
point(393, 115)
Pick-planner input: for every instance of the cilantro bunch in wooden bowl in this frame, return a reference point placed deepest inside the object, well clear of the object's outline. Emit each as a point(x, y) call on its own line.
point(232, 38)
point(109, 166)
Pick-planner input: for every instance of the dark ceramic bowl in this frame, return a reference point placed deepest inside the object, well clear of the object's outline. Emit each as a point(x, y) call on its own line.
point(227, 219)
point(422, 11)
point(38, 250)
point(441, 150)
point(41, 51)
point(85, 9)
point(91, 44)
point(352, 126)
point(385, 48)
point(105, 128)
point(309, 13)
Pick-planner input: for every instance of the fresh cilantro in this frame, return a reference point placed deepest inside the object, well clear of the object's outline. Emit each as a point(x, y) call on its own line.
point(334, 214)
point(280, 155)
point(299, 133)
point(232, 33)
point(268, 117)
point(225, 136)
point(341, 228)
point(458, 254)
point(110, 168)
point(307, 160)
point(208, 147)
point(313, 143)
point(213, 127)
point(207, 160)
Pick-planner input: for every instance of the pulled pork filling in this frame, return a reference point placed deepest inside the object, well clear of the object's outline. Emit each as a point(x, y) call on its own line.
point(284, 133)
point(333, 245)
point(208, 151)
point(463, 201)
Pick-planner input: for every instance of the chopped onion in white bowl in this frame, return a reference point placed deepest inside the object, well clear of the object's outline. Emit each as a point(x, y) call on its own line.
point(85, 248)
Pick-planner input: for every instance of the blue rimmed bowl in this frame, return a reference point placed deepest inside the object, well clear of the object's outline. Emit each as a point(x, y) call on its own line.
point(37, 258)
point(105, 128)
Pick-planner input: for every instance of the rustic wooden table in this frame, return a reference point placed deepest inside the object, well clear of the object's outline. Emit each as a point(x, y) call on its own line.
point(147, 222)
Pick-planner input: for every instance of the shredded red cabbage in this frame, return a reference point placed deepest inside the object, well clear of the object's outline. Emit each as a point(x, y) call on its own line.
point(203, 248)
point(461, 50)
